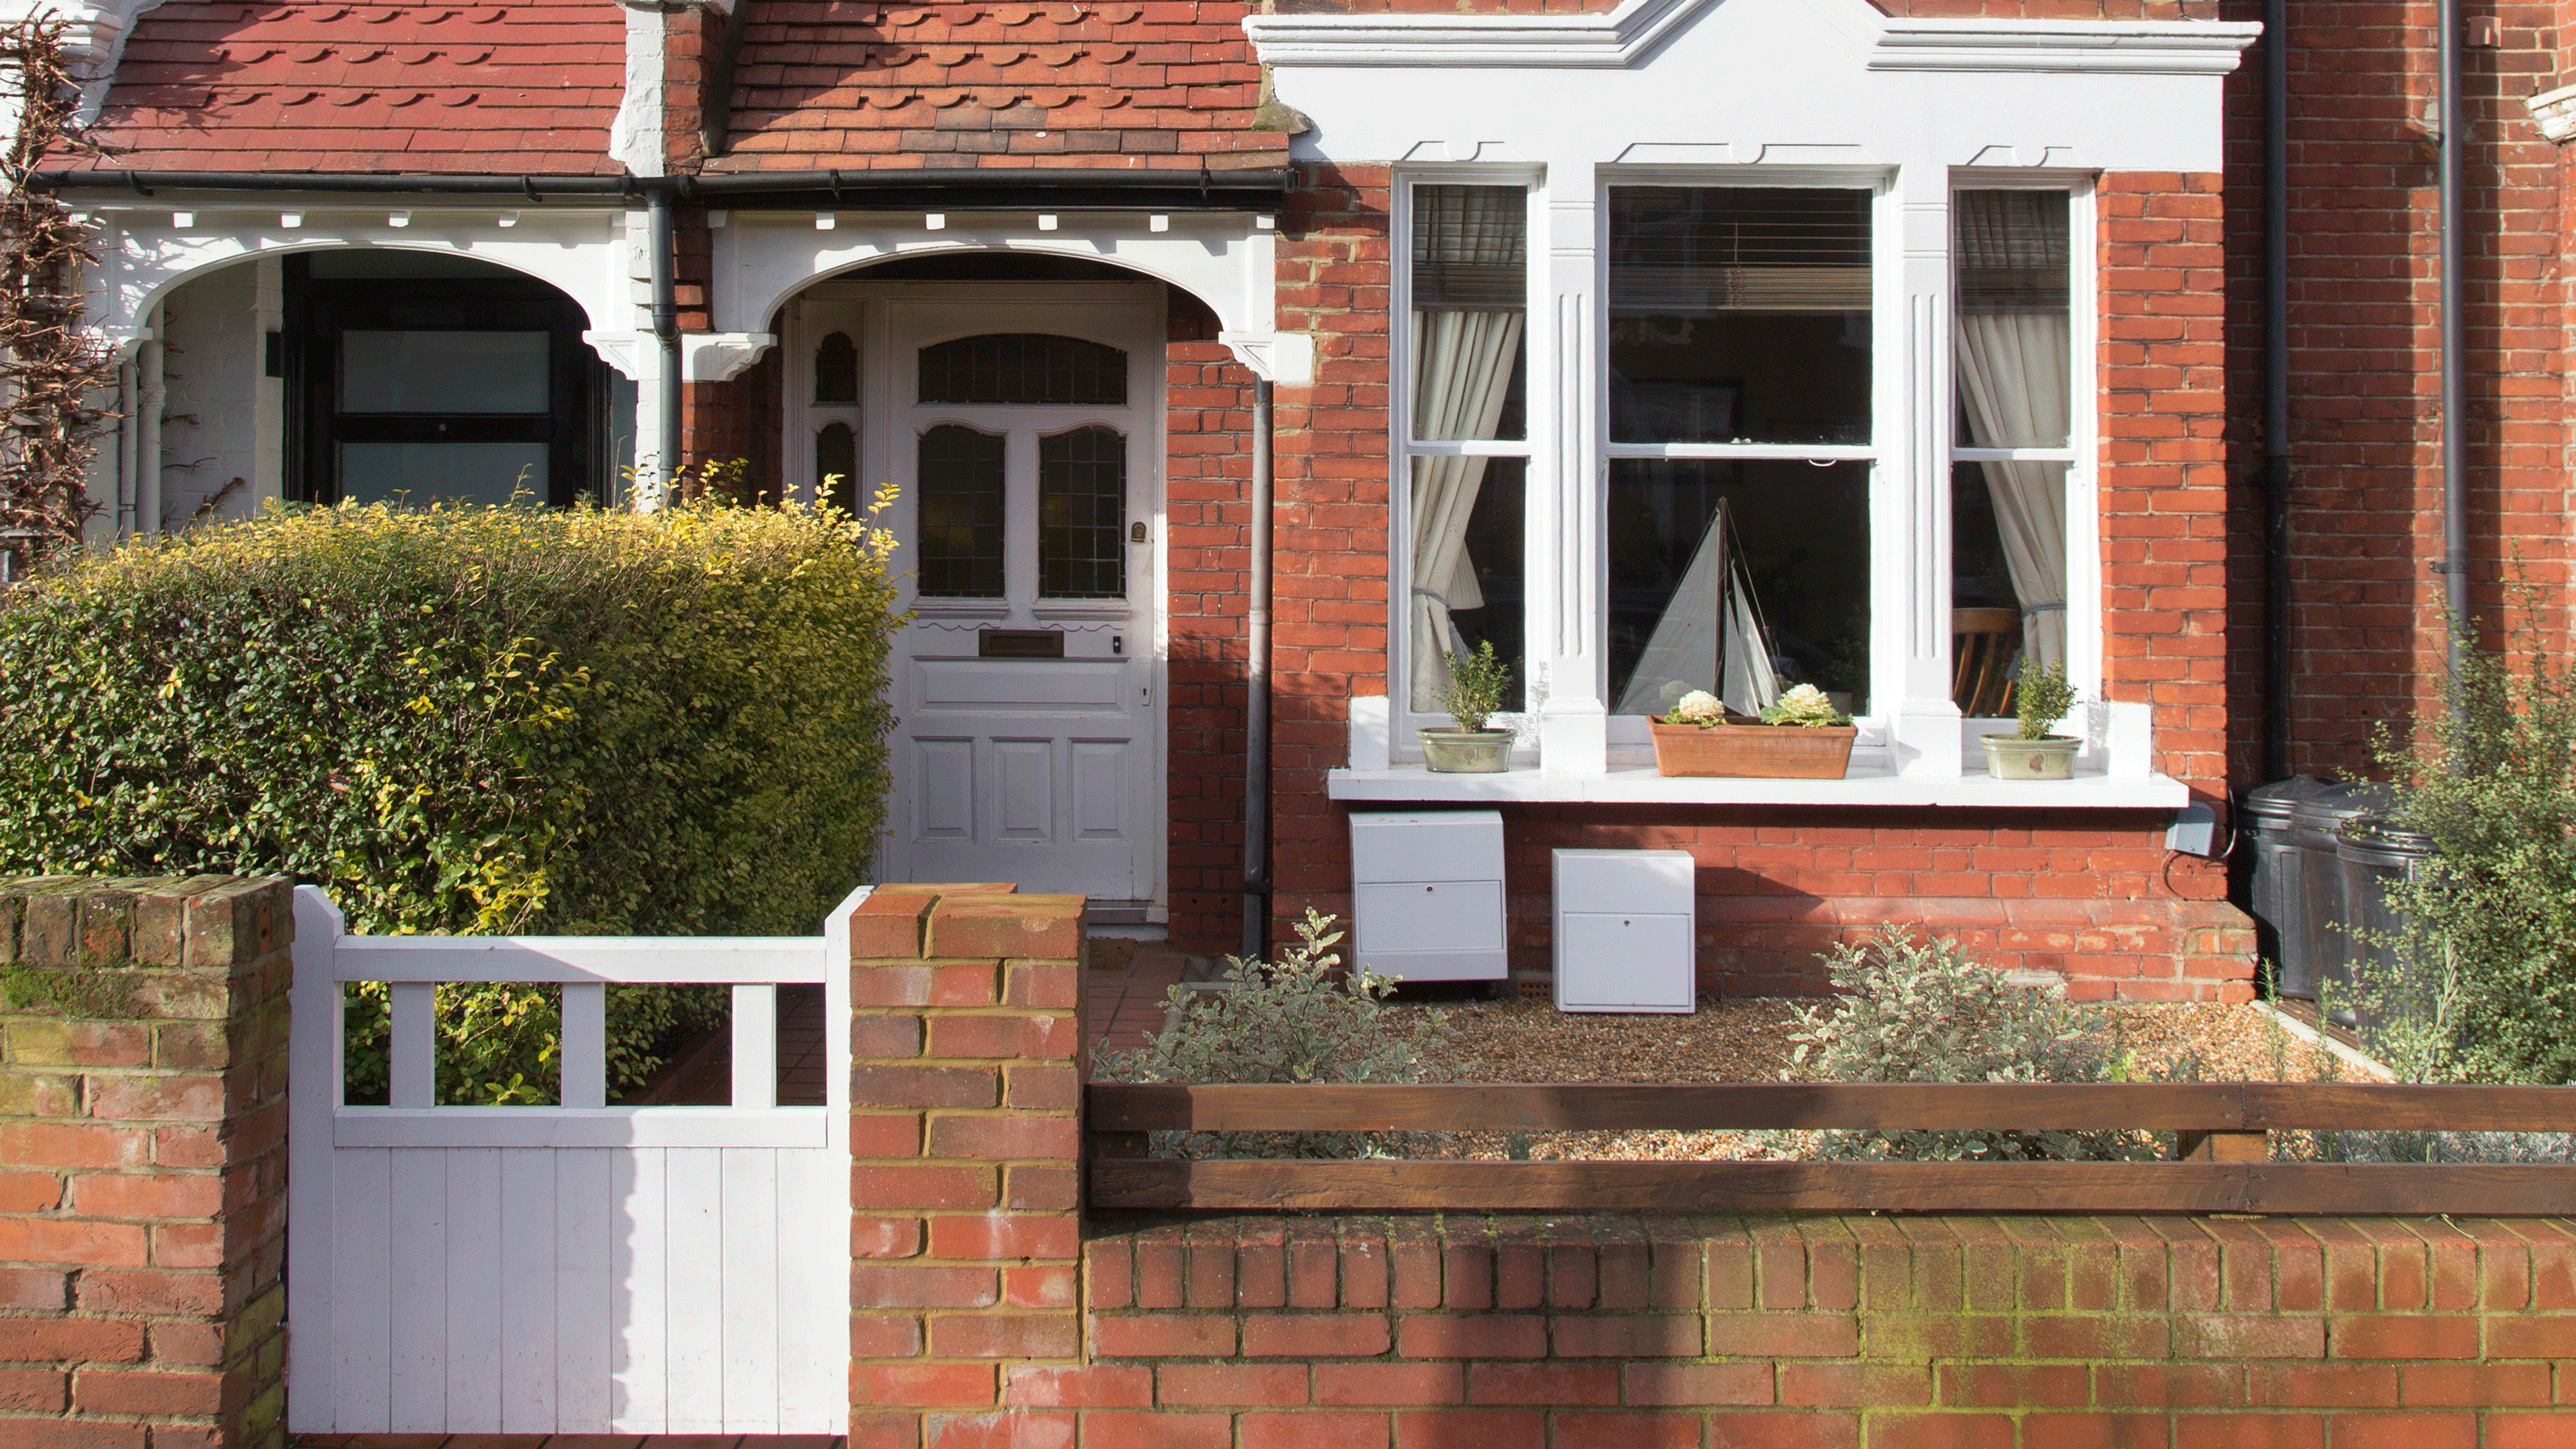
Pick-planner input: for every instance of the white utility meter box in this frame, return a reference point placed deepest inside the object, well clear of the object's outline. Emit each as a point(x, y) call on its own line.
point(1624, 930)
point(1427, 895)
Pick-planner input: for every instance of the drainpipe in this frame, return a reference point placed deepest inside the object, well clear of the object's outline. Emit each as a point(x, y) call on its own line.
point(2276, 389)
point(2454, 567)
point(1256, 692)
point(666, 326)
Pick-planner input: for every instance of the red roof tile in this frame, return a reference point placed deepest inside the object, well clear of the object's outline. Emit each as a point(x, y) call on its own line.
point(476, 89)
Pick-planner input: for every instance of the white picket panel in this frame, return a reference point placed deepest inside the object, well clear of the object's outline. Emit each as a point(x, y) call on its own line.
point(565, 1270)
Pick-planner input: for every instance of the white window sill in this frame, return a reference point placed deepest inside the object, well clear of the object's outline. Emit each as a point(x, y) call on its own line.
point(1642, 786)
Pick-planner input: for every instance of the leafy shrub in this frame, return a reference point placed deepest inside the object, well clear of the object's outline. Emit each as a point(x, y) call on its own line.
point(476, 720)
point(1915, 1010)
point(1295, 1021)
point(2485, 982)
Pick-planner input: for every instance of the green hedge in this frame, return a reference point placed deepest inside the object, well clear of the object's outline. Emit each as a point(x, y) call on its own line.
point(577, 722)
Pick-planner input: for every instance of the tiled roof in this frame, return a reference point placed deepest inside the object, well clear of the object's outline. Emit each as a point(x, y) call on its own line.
point(856, 84)
point(506, 89)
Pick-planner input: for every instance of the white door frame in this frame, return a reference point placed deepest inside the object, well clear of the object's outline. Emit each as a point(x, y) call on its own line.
point(884, 396)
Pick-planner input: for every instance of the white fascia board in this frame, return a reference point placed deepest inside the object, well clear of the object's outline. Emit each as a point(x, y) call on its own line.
point(2084, 47)
point(1613, 41)
point(1622, 37)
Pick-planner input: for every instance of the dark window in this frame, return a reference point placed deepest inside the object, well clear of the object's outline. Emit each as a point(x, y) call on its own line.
point(463, 382)
point(836, 467)
point(836, 370)
point(1739, 314)
point(1082, 515)
point(961, 513)
point(1024, 367)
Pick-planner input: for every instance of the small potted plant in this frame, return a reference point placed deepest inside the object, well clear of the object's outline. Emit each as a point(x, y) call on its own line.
point(1474, 694)
point(2041, 697)
point(1802, 737)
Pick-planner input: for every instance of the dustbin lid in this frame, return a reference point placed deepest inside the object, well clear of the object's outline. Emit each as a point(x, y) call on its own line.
point(2276, 800)
point(2381, 841)
point(2340, 802)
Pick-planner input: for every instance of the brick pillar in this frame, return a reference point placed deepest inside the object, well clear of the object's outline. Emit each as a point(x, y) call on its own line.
point(143, 1162)
point(966, 1130)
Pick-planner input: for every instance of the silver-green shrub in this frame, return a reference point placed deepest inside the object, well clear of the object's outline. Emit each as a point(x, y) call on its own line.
point(1916, 1010)
point(1295, 1020)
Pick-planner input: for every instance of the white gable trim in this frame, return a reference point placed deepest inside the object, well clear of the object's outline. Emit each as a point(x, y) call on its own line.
point(1624, 36)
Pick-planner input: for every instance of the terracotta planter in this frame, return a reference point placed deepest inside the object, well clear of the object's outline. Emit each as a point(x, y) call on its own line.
point(1466, 752)
point(2009, 757)
point(1774, 752)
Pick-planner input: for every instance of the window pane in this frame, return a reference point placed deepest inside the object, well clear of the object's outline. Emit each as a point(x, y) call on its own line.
point(2007, 577)
point(2015, 362)
point(836, 370)
point(1739, 314)
point(1082, 515)
point(1024, 368)
point(836, 467)
point(1800, 549)
point(1470, 289)
point(443, 372)
point(961, 513)
point(467, 473)
point(1466, 569)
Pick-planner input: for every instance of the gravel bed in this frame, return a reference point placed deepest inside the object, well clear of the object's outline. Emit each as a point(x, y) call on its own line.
point(1748, 1041)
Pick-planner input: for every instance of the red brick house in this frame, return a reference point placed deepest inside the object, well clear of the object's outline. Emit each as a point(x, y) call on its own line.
point(1236, 364)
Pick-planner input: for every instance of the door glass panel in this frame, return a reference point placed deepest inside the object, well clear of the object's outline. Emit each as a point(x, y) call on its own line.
point(443, 372)
point(466, 473)
point(1739, 314)
point(836, 370)
point(836, 467)
point(1023, 367)
point(1082, 515)
point(961, 513)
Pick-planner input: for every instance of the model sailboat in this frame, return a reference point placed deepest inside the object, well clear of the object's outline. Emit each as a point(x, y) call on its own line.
point(1711, 631)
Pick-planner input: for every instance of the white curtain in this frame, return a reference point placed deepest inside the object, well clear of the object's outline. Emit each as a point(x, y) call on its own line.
point(2014, 378)
point(1462, 371)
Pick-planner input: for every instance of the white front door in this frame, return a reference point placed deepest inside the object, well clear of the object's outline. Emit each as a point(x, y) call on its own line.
point(1022, 423)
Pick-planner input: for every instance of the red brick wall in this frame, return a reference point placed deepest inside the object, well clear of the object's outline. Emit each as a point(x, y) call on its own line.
point(1515, 1332)
point(2364, 296)
point(143, 1163)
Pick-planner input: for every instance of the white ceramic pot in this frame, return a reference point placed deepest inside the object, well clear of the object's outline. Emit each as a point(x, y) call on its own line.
point(2011, 758)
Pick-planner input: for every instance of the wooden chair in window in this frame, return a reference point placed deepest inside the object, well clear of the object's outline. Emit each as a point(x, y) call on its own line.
point(1983, 643)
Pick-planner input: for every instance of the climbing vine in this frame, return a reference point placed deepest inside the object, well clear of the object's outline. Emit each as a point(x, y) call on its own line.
point(54, 374)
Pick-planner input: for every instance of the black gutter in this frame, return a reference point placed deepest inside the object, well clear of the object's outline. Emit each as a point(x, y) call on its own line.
point(2276, 389)
point(2454, 565)
point(961, 188)
point(1256, 691)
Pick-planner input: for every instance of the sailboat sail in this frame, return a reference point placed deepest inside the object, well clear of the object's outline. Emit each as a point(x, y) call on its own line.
point(1711, 635)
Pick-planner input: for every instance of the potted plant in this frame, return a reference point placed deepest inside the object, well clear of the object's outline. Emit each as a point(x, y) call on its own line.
point(1802, 737)
point(2041, 697)
point(1473, 695)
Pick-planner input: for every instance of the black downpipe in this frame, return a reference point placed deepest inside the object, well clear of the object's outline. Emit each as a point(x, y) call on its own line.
point(2276, 389)
point(2454, 566)
point(1256, 692)
point(666, 326)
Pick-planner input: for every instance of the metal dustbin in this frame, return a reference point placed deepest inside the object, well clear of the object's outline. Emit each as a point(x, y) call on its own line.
point(2374, 854)
point(2313, 823)
point(2280, 897)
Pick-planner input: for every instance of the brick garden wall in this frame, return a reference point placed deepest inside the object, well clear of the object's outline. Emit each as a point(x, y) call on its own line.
point(143, 1163)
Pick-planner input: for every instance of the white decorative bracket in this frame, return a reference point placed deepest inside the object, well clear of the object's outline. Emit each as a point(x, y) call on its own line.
point(1277, 357)
point(124, 346)
point(2555, 113)
point(722, 356)
point(621, 350)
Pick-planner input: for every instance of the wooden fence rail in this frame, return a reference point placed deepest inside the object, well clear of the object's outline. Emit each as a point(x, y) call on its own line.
point(2220, 1132)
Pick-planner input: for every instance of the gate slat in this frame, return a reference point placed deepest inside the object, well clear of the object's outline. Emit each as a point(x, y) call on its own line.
point(641, 1308)
point(750, 1285)
point(416, 1298)
point(474, 1250)
point(529, 1389)
point(813, 1291)
point(693, 1254)
point(586, 1231)
point(360, 1291)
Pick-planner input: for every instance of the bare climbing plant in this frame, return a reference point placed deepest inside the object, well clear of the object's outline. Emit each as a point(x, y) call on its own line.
point(54, 372)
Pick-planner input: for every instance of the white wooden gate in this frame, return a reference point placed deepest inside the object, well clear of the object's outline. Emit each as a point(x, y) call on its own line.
point(581, 1269)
